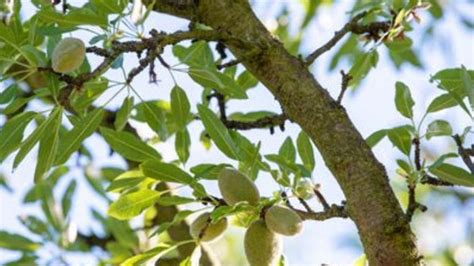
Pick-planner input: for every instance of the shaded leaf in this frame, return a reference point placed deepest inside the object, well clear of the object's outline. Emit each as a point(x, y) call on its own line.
point(165, 172)
point(129, 146)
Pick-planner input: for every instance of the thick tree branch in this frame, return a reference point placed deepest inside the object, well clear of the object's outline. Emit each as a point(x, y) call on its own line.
point(371, 203)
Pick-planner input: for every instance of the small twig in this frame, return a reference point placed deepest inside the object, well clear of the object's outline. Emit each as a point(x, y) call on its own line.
point(228, 64)
point(464, 153)
point(334, 40)
point(346, 78)
point(264, 122)
point(321, 199)
point(305, 205)
point(335, 211)
point(413, 205)
point(429, 180)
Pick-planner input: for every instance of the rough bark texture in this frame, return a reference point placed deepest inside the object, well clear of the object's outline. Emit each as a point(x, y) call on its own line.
point(383, 228)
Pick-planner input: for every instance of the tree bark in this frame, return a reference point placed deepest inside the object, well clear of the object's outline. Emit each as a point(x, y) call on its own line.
point(372, 205)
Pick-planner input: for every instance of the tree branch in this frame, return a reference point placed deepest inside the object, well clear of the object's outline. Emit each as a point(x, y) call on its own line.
point(372, 30)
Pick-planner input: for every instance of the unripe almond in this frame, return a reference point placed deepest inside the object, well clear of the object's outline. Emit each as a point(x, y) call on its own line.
point(68, 55)
point(211, 231)
point(262, 246)
point(236, 187)
point(283, 220)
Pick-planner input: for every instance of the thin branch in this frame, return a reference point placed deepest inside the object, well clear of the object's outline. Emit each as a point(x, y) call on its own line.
point(429, 180)
point(372, 31)
point(413, 205)
point(228, 64)
point(264, 122)
point(321, 198)
point(305, 205)
point(465, 153)
point(335, 211)
point(346, 78)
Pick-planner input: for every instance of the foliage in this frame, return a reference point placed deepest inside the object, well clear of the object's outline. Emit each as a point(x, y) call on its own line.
point(69, 113)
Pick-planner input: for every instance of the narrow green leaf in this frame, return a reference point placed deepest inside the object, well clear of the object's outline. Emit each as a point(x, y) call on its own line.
point(439, 128)
point(197, 54)
point(218, 132)
point(453, 174)
point(376, 137)
point(123, 113)
point(155, 118)
point(403, 100)
point(129, 146)
point(182, 144)
point(132, 204)
point(401, 138)
point(174, 200)
point(441, 102)
point(73, 139)
point(287, 150)
point(362, 65)
point(217, 80)
point(12, 133)
point(468, 83)
point(165, 172)
point(17, 242)
point(32, 139)
point(126, 180)
point(67, 197)
point(49, 144)
point(305, 150)
point(180, 107)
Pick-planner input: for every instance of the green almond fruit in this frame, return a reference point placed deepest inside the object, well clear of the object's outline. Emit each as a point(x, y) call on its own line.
point(304, 189)
point(236, 187)
point(68, 55)
point(262, 246)
point(211, 231)
point(284, 221)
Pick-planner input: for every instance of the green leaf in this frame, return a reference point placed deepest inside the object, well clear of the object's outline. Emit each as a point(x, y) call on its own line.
point(362, 65)
point(75, 17)
point(182, 144)
point(126, 180)
point(49, 144)
point(129, 146)
point(67, 197)
point(165, 172)
point(110, 6)
point(180, 107)
point(155, 118)
point(246, 80)
point(468, 83)
point(452, 79)
point(250, 116)
point(12, 133)
point(208, 171)
point(453, 174)
point(132, 204)
point(401, 138)
point(439, 128)
point(123, 113)
point(154, 253)
point(218, 132)
point(305, 150)
point(287, 150)
point(216, 80)
point(72, 140)
point(376, 137)
point(17, 242)
point(403, 100)
point(197, 54)
point(174, 200)
point(441, 102)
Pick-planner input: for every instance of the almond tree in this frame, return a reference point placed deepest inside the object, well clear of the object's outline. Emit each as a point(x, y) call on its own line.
point(246, 54)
